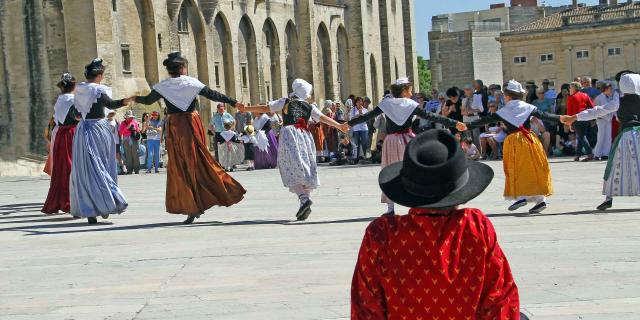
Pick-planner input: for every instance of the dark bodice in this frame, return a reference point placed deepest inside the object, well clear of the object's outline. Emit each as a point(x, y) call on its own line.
point(392, 127)
point(629, 112)
point(97, 109)
point(205, 92)
point(510, 128)
point(267, 126)
point(71, 118)
point(294, 110)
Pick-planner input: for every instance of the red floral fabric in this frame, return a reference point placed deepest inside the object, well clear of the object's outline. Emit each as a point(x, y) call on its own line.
point(433, 265)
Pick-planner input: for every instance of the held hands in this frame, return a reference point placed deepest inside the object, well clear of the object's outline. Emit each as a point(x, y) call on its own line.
point(126, 101)
point(568, 120)
point(344, 127)
point(461, 126)
point(240, 106)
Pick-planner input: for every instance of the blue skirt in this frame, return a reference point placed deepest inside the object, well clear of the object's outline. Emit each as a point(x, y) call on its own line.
point(94, 180)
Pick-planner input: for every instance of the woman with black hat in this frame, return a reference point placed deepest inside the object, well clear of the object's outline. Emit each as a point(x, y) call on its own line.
point(526, 168)
point(66, 117)
point(94, 177)
point(439, 261)
point(195, 180)
point(399, 111)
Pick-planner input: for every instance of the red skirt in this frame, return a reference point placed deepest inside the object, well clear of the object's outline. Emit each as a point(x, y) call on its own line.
point(58, 197)
point(195, 180)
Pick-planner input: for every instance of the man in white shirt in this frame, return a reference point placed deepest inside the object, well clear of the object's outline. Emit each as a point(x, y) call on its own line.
point(360, 131)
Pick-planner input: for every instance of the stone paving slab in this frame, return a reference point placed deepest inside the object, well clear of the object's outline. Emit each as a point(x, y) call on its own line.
point(252, 261)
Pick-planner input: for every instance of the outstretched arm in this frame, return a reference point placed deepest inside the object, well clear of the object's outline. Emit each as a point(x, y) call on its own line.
point(217, 96)
point(365, 117)
point(151, 98)
point(447, 122)
point(490, 118)
point(113, 104)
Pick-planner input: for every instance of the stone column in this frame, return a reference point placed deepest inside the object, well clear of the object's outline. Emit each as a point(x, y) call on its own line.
point(410, 55)
point(568, 56)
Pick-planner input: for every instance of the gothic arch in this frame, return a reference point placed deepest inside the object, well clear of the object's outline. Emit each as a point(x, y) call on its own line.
point(192, 42)
point(397, 71)
point(149, 44)
point(292, 52)
point(343, 63)
point(324, 85)
point(56, 39)
point(223, 55)
point(271, 60)
point(383, 7)
point(248, 55)
point(373, 70)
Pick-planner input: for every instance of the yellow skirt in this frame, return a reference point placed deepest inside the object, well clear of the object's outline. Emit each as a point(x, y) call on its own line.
point(526, 167)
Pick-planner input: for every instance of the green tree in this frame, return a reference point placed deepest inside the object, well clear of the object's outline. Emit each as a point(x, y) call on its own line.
point(424, 73)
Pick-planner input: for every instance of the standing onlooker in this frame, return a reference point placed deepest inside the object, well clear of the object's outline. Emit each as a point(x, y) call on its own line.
point(276, 123)
point(604, 123)
point(549, 92)
point(153, 129)
point(217, 122)
point(481, 90)
point(243, 119)
point(367, 104)
point(453, 106)
point(114, 126)
point(472, 107)
point(587, 87)
point(145, 120)
point(546, 105)
point(330, 133)
point(360, 131)
point(577, 102)
point(130, 137)
point(531, 91)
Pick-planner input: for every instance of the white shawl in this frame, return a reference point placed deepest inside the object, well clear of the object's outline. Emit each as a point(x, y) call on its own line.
point(398, 110)
point(62, 106)
point(87, 94)
point(179, 91)
point(227, 135)
point(261, 137)
point(516, 112)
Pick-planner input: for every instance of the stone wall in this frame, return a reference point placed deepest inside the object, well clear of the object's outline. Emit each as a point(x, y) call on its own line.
point(564, 45)
point(249, 49)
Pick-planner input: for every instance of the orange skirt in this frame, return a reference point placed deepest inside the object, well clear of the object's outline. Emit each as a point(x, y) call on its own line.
point(317, 131)
point(526, 167)
point(195, 180)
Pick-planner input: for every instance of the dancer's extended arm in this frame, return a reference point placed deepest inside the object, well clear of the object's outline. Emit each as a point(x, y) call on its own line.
point(447, 122)
point(365, 117)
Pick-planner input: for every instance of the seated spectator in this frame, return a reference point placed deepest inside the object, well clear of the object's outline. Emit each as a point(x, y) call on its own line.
point(470, 149)
point(441, 261)
point(346, 152)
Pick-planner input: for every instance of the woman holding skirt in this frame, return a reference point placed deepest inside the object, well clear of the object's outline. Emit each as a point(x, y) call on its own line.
point(94, 177)
point(195, 181)
point(622, 175)
point(399, 111)
point(66, 118)
point(266, 149)
point(526, 168)
point(297, 149)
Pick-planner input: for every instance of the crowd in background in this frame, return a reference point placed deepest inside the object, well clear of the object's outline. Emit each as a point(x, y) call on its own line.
point(235, 141)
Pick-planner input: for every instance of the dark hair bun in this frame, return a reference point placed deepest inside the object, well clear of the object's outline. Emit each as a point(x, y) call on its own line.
point(94, 68)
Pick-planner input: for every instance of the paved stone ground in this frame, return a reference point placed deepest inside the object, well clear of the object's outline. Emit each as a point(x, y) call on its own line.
point(252, 262)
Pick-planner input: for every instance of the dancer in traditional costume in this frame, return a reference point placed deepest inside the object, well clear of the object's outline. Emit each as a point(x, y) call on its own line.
point(66, 118)
point(297, 150)
point(622, 175)
point(195, 181)
point(604, 123)
point(266, 149)
point(440, 261)
point(249, 142)
point(399, 111)
point(94, 177)
point(526, 168)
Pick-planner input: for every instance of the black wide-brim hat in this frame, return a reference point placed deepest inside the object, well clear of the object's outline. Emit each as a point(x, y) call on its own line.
point(434, 174)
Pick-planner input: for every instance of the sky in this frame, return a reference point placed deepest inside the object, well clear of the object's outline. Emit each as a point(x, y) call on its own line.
point(425, 9)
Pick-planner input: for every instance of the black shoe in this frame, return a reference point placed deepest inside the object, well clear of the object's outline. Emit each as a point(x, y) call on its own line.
point(191, 218)
point(92, 220)
point(304, 211)
point(389, 214)
point(518, 204)
point(538, 207)
point(105, 216)
point(605, 205)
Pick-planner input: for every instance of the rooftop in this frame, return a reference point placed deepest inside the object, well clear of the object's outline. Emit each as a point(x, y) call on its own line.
point(581, 16)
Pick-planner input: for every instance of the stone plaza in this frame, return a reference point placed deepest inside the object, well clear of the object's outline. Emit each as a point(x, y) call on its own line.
point(251, 261)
